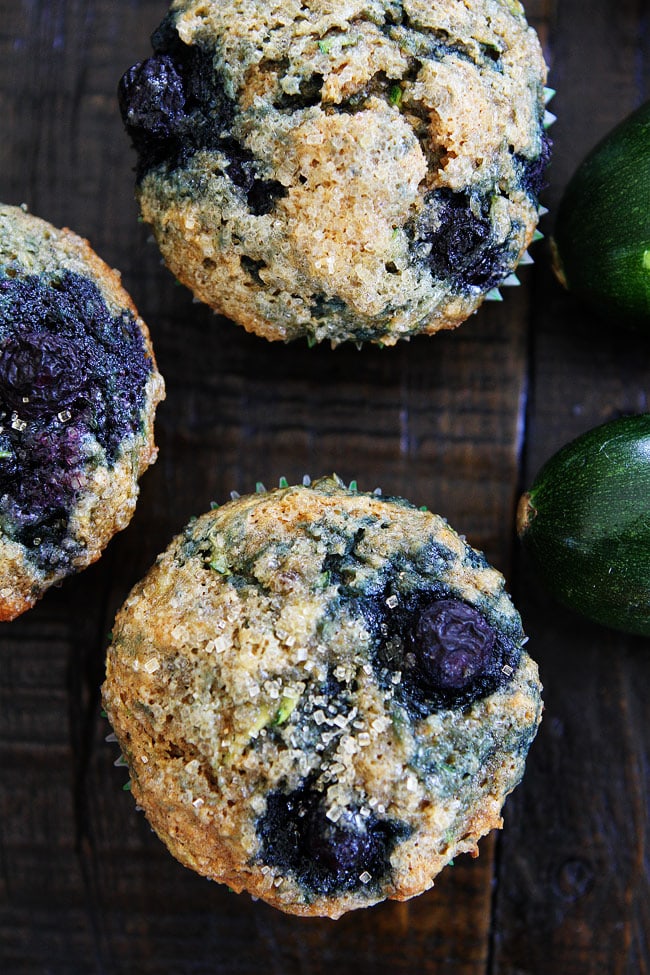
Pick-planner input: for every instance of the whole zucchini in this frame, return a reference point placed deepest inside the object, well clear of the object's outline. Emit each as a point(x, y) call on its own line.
point(601, 240)
point(585, 524)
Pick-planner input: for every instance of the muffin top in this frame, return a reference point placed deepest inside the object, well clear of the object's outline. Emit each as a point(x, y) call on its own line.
point(322, 696)
point(340, 169)
point(78, 391)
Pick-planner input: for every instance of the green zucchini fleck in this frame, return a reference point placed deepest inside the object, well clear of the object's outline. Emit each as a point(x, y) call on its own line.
point(601, 241)
point(585, 524)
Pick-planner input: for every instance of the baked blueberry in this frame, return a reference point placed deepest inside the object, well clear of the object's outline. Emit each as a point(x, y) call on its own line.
point(459, 244)
point(453, 646)
point(326, 856)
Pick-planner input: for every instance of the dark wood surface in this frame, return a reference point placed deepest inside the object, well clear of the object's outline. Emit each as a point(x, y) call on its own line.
point(458, 422)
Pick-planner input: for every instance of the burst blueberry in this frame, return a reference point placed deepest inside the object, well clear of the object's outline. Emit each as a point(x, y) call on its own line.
point(173, 104)
point(41, 372)
point(459, 239)
point(327, 853)
point(152, 98)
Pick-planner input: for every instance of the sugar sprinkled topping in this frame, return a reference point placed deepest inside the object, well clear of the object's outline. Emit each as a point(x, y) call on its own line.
point(348, 744)
point(334, 813)
point(380, 723)
point(152, 665)
point(272, 688)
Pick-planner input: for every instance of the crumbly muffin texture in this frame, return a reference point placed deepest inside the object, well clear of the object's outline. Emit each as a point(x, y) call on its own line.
point(340, 169)
point(78, 392)
point(322, 696)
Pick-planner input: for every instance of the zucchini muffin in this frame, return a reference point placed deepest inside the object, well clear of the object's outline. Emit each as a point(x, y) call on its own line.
point(358, 170)
point(78, 393)
point(322, 696)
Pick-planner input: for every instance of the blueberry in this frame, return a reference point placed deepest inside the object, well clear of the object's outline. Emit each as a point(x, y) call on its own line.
point(151, 97)
point(459, 242)
point(38, 482)
point(341, 852)
point(324, 307)
point(447, 653)
point(326, 857)
point(173, 103)
point(41, 372)
point(453, 645)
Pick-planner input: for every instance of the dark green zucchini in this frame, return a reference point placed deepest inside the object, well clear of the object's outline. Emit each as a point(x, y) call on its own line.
point(585, 524)
point(601, 240)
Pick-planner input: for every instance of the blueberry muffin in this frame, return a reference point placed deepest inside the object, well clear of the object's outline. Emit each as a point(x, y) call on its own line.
point(322, 696)
point(361, 170)
point(78, 392)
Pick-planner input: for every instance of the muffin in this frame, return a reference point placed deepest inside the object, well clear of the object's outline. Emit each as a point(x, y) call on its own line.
point(361, 171)
point(322, 696)
point(78, 392)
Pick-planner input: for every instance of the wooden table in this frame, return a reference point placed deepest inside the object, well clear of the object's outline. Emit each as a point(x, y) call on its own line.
point(458, 422)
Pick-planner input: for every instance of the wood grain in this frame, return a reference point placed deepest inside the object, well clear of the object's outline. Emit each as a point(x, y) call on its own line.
point(457, 422)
